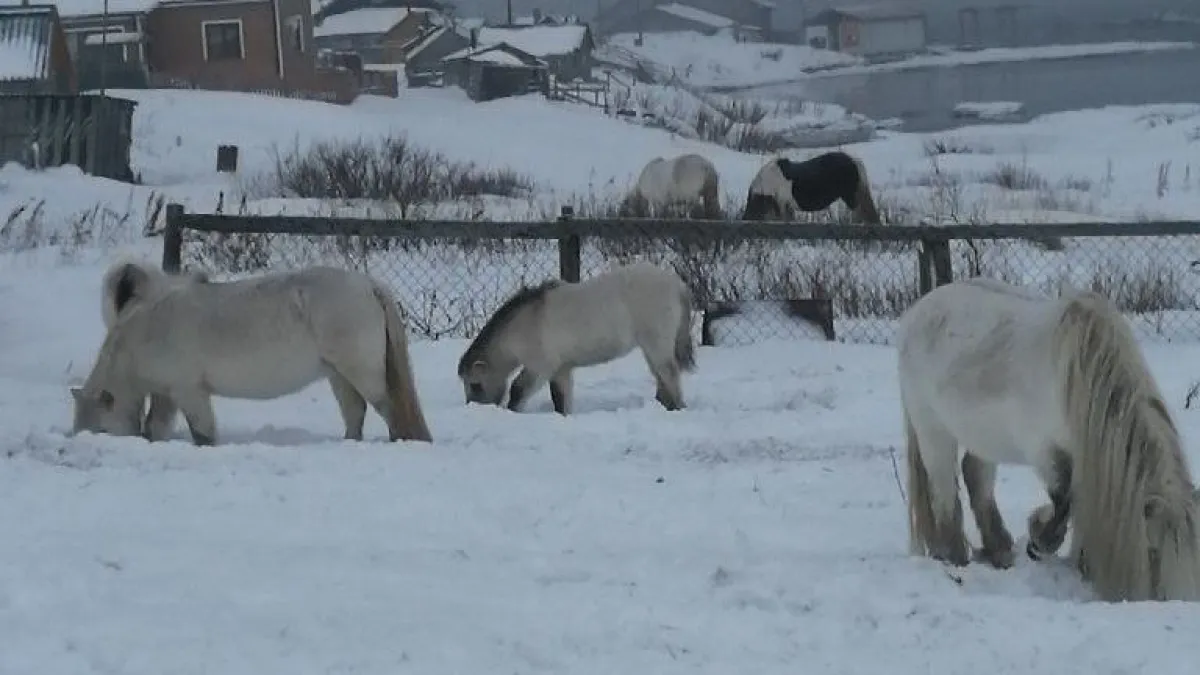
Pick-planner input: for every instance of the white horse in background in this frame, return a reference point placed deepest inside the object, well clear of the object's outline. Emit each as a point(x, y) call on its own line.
point(257, 338)
point(550, 329)
point(1060, 385)
point(128, 282)
point(680, 183)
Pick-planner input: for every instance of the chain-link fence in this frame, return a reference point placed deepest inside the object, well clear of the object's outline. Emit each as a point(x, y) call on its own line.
point(752, 281)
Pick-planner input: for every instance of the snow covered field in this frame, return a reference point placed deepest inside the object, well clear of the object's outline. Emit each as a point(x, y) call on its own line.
point(759, 531)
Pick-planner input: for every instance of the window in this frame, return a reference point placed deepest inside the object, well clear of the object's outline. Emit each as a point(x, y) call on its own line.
point(295, 31)
point(223, 40)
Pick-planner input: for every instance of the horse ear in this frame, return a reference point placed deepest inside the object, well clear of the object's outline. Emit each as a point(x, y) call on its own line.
point(77, 393)
point(106, 399)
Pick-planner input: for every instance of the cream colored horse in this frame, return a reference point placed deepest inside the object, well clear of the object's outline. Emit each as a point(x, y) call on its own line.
point(257, 338)
point(550, 329)
point(1060, 385)
point(684, 182)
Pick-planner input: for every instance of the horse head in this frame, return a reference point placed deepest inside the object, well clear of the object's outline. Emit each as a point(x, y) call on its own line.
point(102, 411)
point(484, 383)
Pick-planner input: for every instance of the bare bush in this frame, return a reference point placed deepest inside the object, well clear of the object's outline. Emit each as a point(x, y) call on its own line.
point(391, 169)
point(1012, 176)
point(952, 145)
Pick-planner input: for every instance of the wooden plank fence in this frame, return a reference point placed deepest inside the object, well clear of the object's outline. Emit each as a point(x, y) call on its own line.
point(91, 131)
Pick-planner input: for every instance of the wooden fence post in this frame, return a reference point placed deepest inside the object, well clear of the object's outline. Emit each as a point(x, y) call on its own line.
point(172, 256)
point(569, 250)
point(934, 264)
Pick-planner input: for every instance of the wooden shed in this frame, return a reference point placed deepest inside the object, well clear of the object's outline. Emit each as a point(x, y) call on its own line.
point(91, 131)
point(495, 71)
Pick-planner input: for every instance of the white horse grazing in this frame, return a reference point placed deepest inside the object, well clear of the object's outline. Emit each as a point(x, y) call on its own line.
point(683, 182)
point(257, 338)
point(1059, 385)
point(132, 281)
point(555, 327)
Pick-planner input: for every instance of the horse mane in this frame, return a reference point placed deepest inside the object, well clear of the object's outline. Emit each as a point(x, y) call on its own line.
point(1132, 470)
point(522, 298)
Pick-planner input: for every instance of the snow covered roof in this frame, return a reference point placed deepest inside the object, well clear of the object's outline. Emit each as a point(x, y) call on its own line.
point(367, 21)
point(68, 8)
point(113, 37)
point(500, 54)
point(25, 34)
point(697, 15)
point(537, 40)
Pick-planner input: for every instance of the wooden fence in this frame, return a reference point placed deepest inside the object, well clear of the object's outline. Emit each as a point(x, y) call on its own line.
point(1156, 279)
point(91, 131)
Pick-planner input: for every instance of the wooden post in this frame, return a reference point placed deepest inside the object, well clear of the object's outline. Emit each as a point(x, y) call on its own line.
point(569, 250)
point(934, 264)
point(172, 257)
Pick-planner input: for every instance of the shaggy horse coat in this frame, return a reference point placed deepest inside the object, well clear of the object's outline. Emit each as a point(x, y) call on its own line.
point(256, 338)
point(683, 182)
point(1060, 385)
point(783, 187)
point(132, 281)
point(550, 329)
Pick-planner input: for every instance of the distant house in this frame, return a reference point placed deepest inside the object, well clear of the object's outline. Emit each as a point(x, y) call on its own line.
point(108, 51)
point(566, 49)
point(495, 71)
point(869, 30)
point(244, 45)
point(672, 17)
point(33, 52)
point(423, 54)
point(375, 33)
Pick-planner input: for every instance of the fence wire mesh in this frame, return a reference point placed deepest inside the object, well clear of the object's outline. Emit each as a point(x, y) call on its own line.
point(751, 288)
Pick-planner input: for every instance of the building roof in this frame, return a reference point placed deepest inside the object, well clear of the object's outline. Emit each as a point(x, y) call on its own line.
point(502, 54)
point(366, 21)
point(540, 41)
point(875, 12)
point(699, 16)
point(71, 8)
point(26, 34)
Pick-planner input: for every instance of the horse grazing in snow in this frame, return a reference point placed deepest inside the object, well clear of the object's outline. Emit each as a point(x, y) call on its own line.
point(131, 281)
point(669, 186)
point(550, 329)
point(257, 338)
point(1059, 385)
point(783, 187)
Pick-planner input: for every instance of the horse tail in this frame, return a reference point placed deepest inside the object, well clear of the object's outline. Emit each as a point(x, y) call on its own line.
point(866, 203)
point(685, 350)
point(407, 421)
point(122, 282)
point(1128, 468)
point(922, 525)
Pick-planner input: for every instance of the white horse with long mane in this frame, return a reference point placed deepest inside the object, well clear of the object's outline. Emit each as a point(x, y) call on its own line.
point(1060, 385)
point(256, 338)
point(128, 282)
point(680, 183)
point(550, 329)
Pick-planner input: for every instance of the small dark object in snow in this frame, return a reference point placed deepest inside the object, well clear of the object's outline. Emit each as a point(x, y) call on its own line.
point(660, 479)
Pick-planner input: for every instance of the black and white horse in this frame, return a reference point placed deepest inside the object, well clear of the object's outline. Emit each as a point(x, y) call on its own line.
point(783, 187)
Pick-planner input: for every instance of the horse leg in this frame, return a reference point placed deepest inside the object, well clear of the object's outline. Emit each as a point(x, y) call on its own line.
point(523, 386)
point(198, 412)
point(160, 419)
point(933, 491)
point(351, 404)
point(561, 386)
point(1048, 523)
point(980, 477)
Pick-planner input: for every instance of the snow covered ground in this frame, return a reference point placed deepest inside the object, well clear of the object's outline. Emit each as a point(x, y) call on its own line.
point(761, 528)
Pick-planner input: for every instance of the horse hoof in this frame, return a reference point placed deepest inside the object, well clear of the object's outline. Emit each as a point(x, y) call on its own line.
point(1033, 552)
point(1001, 560)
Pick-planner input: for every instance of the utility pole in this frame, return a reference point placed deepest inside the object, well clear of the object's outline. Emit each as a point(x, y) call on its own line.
point(104, 51)
point(510, 19)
